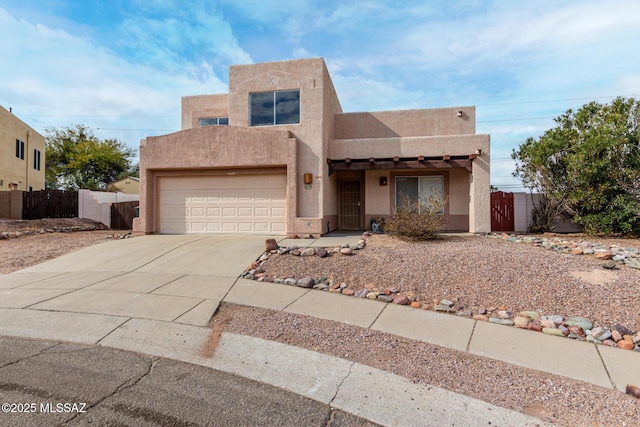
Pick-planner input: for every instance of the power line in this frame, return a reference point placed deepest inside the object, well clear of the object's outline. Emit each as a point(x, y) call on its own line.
point(551, 100)
point(515, 120)
point(140, 130)
point(103, 115)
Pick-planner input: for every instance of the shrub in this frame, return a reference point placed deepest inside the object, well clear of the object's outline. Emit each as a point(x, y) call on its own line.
point(417, 219)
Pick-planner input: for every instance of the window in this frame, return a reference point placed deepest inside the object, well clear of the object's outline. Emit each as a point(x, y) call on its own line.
point(274, 108)
point(419, 186)
point(213, 121)
point(20, 149)
point(36, 159)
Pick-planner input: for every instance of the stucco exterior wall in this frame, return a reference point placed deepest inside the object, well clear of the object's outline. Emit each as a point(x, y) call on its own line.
point(11, 204)
point(311, 78)
point(468, 193)
point(203, 106)
point(96, 205)
point(212, 150)
point(524, 203)
point(324, 132)
point(423, 122)
point(13, 169)
point(408, 146)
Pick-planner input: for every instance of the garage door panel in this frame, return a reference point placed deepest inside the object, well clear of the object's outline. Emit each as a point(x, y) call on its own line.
point(277, 212)
point(213, 227)
point(250, 204)
point(198, 212)
point(229, 211)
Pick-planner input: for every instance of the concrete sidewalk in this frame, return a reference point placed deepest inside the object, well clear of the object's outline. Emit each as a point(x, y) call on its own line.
point(179, 281)
point(351, 387)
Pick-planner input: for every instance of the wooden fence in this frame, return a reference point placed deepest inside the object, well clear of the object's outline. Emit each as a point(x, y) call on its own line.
point(502, 211)
point(49, 204)
point(122, 214)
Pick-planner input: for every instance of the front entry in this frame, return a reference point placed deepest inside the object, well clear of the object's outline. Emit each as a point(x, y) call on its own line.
point(350, 205)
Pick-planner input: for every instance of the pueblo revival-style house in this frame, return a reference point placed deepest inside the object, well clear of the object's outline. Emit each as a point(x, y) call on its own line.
point(277, 156)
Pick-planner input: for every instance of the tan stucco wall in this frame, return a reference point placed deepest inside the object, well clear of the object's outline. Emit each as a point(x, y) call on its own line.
point(11, 204)
point(213, 150)
point(13, 169)
point(317, 96)
point(479, 192)
point(423, 122)
point(408, 147)
point(323, 132)
point(468, 194)
point(203, 106)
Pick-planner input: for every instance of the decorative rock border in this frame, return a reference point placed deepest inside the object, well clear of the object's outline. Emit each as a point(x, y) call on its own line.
point(72, 228)
point(574, 327)
point(613, 255)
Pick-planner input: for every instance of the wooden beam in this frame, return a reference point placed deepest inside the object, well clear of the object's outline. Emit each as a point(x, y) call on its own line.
point(396, 159)
point(421, 158)
point(410, 164)
point(446, 157)
point(372, 159)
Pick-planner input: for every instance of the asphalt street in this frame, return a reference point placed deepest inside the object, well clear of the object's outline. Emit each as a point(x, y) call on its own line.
point(46, 382)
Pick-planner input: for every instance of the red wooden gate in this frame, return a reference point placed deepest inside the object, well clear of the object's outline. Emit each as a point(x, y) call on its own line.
point(502, 211)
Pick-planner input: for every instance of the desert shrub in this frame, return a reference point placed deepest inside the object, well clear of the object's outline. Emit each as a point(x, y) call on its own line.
point(418, 219)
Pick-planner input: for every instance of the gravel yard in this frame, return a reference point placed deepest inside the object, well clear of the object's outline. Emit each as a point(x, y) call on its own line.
point(552, 398)
point(475, 272)
point(482, 273)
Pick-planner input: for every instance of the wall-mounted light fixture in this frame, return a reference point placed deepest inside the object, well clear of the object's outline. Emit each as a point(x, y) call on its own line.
point(460, 113)
point(383, 181)
point(308, 179)
point(478, 151)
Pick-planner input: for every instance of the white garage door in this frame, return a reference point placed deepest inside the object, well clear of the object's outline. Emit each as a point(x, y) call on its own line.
point(249, 204)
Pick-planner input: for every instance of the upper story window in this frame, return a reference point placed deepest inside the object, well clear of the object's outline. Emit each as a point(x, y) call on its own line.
point(274, 108)
point(20, 149)
point(36, 159)
point(213, 121)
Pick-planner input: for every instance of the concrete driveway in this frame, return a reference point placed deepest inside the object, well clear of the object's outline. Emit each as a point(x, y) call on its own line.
point(169, 278)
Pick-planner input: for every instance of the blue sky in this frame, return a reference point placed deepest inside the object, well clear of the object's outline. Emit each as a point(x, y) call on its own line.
point(121, 66)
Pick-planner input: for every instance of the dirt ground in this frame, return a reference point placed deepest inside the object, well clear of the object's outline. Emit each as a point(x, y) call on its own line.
point(24, 243)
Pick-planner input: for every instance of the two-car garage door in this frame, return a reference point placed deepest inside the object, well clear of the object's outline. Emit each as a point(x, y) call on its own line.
point(248, 204)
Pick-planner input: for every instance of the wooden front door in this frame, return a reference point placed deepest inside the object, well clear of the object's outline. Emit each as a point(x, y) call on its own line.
point(350, 205)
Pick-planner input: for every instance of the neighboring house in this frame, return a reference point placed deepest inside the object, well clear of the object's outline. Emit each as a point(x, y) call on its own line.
point(22, 152)
point(277, 156)
point(128, 185)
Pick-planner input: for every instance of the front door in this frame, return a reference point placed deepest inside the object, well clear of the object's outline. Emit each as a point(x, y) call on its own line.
point(350, 205)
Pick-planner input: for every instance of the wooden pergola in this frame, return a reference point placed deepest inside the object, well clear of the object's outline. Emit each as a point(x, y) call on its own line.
point(420, 162)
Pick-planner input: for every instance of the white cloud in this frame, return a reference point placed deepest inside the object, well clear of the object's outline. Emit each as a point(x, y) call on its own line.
point(56, 79)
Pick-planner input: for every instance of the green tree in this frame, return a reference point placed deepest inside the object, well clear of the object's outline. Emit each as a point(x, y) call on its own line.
point(134, 170)
point(588, 166)
point(77, 159)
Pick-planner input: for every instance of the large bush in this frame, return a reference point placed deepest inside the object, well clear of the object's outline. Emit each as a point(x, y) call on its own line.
point(418, 219)
point(589, 166)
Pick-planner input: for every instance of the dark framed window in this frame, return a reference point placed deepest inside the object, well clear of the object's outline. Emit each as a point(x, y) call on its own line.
point(20, 149)
point(36, 159)
point(213, 121)
point(274, 108)
point(419, 187)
